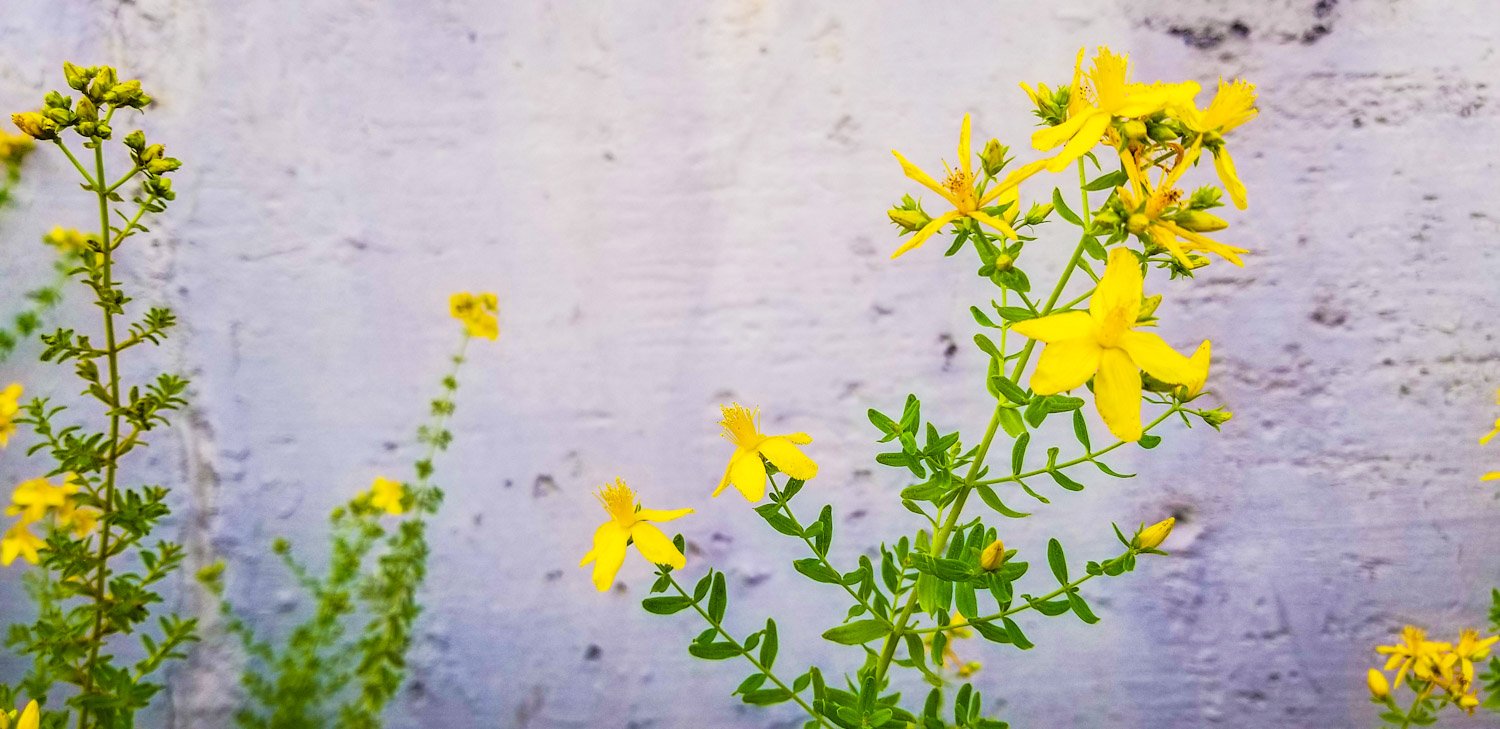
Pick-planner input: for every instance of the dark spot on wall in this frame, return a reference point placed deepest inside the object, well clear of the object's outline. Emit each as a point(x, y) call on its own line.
point(1329, 317)
point(554, 575)
point(544, 486)
point(950, 350)
point(593, 653)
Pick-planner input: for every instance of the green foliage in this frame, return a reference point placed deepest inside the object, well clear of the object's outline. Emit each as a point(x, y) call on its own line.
point(345, 662)
point(97, 591)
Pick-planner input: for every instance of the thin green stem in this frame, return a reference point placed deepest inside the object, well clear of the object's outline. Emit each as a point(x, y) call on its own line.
point(764, 670)
point(1069, 587)
point(123, 180)
point(786, 508)
point(1411, 713)
point(1083, 458)
point(77, 165)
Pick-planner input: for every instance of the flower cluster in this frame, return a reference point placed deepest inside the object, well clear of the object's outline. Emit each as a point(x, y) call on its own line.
point(1437, 672)
point(31, 503)
point(478, 312)
point(10, 404)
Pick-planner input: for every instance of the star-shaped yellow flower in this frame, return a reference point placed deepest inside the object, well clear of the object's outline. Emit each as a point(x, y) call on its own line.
point(386, 494)
point(1470, 648)
point(10, 404)
point(1414, 654)
point(19, 541)
point(1148, 216)
point(629, 523)
point(961, 189)
point(1095, 100)
point(1233, 105)
point(32, 498)
point(1103, 344)
point(746, 470)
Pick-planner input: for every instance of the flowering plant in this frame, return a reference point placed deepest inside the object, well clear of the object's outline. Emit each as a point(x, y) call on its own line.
point(954, 574)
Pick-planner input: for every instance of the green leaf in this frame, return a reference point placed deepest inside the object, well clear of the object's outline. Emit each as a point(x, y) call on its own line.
point(769, 645)
point(1062, 403)
point(1012, 391)
point(1016, 636)
point(718, 598)
point(964, 600)
point(1065, 482)
point(1057, 561)
point(1011, 421)
point(1015, 313)
point(751, 683)
point(993, 501)
point(766, 697)
point(1111, 472)
point(1081, 609)
point(1091, 246)
point(1018, 453)
point(713, 651)
point(883, 423)
point(980, 317)
point(1106, 182)
point(1149, 441)
point(1081, 430)
point(985, 344)
point(857, 632)
point(991, 632)
point(666, 605)
point(816, 571)
point(782, 523)
point(1062, 208)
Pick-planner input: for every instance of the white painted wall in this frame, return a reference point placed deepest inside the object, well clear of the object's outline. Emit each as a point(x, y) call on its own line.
point(684, 203)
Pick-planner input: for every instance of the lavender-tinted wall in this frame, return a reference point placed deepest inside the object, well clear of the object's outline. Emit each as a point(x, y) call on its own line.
point(683, 204)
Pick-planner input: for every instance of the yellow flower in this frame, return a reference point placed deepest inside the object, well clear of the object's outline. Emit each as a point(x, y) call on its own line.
point(30, 718)
point(960, 189)
point(10, 404)
point(477, 312)
point(1103, 344)
point(1414, 654)
point(629, 523)
point(386, 494)
point(68, 241)
point(746, 470)
point(1470, 648)
point(1379, 686)
point(14, 147)
point(1200, 362)
point(993, 556)
point(1233, 105)
point(32, 498)
point(1152, 536)
point(1150, 215)
point(81, 519)
point(19, 541)
point(1096, 99)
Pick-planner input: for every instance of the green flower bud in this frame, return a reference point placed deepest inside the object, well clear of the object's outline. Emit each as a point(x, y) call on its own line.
point(1161, 132)
point(152, 153)
point(104, 80)
point(34, 125)
point(54, 100)
point(1004, 262)
point(163, 165)
point(1217, 416)
point(1200, 222)
point(1107, 217)
point(1133, 130)
point(78, 76)
point(1038, 213)
point(160, 187)
point(993, 157)
point(86, 111)
point(61, 117)
point(136, 140)
point(1137, 223)
point(910, 221)
point(280, 545)
point(128, 94)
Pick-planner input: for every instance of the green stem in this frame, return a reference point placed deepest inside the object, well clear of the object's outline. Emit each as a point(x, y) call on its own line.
point(123, 180)
point(111, 469)
point(1069, 587)
point(787, 509)
point(1412, 712)
point(940, 538)
point(1083, 458)
point(764, 670)
point(78, 166)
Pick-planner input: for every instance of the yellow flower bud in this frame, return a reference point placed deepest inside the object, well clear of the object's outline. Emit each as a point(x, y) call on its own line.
point(993, 556)
point(1134, 130)
point(1151, 537)
point(1380, 688)
point(1137, 223)
point(1217, 416)
point(909, 220)
point(35, 125)
point(1201, 222)
point(993, 157)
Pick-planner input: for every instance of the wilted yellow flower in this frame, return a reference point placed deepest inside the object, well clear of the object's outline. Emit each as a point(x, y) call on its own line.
point(1379, 686)
point(10, 404)
point(993, 556)
point(628, 523)
point(1096, 99)
point(1152, 536)
point(34, 125)
point(386, 494)
point(1233, 105)
point(746, 471)
point(477, 312)
point(69, 241)
point(961, 189)
point(19, 541)
point(1147, 216)
point(30, 718)
point(1414, 654)
point(1103, 344)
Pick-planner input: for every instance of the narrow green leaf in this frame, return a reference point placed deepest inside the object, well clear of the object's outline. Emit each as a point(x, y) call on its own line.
point(1081, 430)
point(1065, 482)
point(1106, 182)
point(1057, 561)
point(993, 501)
point(1081, 609)
point(1016, 636)
point(766, 697)
point(713, 651)
point(769, 645)
point(816, 571)
point(980, 317)
point(857, 632)
point(1011, 391)
point(1018, 453)
point(718, 598)
point(1062, 208)
point(1011, 421)
point(666, 605)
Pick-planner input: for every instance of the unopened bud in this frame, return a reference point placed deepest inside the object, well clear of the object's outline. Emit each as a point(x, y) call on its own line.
point(1038, 213)
point(125, 94)
point(34, 125)
point(280, 545)
point(163, 165)
point(1004, 262)
point(54, 100)
point(136, 140)
point(59, 116)
point(1200, 222)
point(1148, 307)
point(78, 76)
point(1151, 537)
point(87, 111)
point(1161, 132)
point(152, 153)
point(993, 556)
point(1107, 217)
point(910, 221)
point(1137, 223)
point(993, 157)
point(1217, 416)
point(1134, 130)
point(1380, 687)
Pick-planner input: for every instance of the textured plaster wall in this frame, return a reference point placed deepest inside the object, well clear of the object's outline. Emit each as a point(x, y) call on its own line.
point(683, 203)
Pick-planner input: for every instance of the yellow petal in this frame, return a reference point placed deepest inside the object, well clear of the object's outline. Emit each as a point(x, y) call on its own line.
point(1120, 289)
point(1491, 476)
point(787, 457)
point(1200, 360)
point(1056, 327)
point(926, 232)
point(922, 178)
point(1162, 234)
point(31, 717)
point(1224, 164)
point(1117, 394)
point(1012, 181)
point(1052, 136)
point(799, 438)
point(659, 515)
point(1065, 365)
point(1200, 242)
point(748, 474)
point(965, 151)
point(608, 553)
point(655, 546)
point(1152, 354)
point(995, 223)
point(1086, 139)
point(729, 470)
